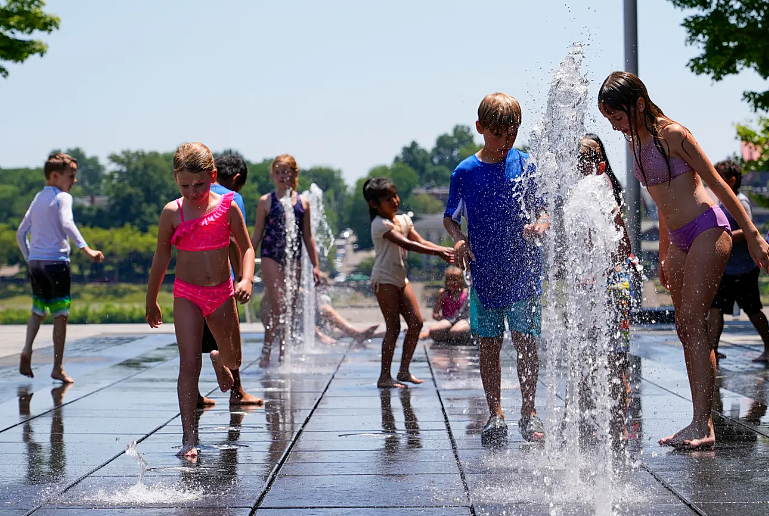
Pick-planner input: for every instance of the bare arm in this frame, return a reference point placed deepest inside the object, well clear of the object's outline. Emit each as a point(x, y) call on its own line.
point(410, 245)
point(159, 265)
point(462, 252)
point(414, 236)
point(262, 210)
point(239, 232)
point(683, 145)
point(438, 307)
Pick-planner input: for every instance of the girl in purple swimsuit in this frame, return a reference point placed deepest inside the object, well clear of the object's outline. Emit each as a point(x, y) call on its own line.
point(278, 260)
point(671, 164)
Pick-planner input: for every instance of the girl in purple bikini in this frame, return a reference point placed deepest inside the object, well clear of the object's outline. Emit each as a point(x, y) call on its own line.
point(671, 164)
point(278, 260)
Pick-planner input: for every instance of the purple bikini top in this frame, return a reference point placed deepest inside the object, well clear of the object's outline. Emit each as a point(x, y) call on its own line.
point(655, 167)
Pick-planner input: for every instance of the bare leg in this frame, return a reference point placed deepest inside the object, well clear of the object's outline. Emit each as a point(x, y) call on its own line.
point(224, 376)
point(409, 307)
point(715, 327)
point(204, 402)
point(272, 304)
point(328, 313)
point(388, 297)
point(59, 337)
point(694, 279)
point(33, 326)
point(460, 332)
point(225, 327)
point(439, 331)
point(528, 371)
point(491, 373)
point(762, 326)
point(238, 396)
point(188, 324)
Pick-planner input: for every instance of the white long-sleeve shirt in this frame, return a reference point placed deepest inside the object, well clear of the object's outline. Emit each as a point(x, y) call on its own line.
point(50, 219)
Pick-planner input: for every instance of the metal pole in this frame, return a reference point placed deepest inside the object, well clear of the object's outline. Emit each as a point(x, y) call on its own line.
point(633, 187)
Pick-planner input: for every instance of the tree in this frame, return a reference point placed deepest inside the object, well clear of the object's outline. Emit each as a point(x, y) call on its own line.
point(448, 150)
point(760, 140)
point(734, 35)
point(20, 18)
point(335, 192)
point(415, 157)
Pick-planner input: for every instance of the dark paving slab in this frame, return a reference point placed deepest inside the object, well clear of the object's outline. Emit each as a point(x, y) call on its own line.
point(328, 442)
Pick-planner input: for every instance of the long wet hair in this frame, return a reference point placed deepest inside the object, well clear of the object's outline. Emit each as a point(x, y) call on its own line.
point(616, 186)
point(375, 189)
point(620, 92)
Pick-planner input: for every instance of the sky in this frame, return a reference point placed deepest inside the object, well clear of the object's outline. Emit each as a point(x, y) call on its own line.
point(344, 84)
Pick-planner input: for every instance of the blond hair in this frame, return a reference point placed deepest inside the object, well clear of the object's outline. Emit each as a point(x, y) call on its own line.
point(290, 162)
point(499, 112)
point(193, 157)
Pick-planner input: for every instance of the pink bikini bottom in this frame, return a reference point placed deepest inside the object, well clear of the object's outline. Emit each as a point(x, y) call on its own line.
point(715, 217)
point(207, 299)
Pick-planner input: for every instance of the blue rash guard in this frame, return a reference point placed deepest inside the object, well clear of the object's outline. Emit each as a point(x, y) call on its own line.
point(497, 200)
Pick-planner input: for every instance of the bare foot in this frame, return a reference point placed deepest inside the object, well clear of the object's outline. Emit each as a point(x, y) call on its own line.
point(264, 361)
point(325, 339)
point(244, 398)
point(763, 358)
point(223, 375)
point(408, 377)
point(61, 376)
point(691, 438)
point(366, 334)
point(188, 451)
point(387, 383)
point(424, 335)
point(205, 402)
point(25, 365)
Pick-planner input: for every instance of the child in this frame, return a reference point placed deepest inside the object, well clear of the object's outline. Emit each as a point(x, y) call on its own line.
point(740, 280)
point(497, 197)
point(670, 162)
point(199, 225)
point(604, 192)
point(393, 236)
point(451, 309)
point(278, 261)
point(50, 220)
point(231, 176)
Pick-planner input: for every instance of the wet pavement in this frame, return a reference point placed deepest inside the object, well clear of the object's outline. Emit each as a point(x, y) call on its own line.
point(328, 442)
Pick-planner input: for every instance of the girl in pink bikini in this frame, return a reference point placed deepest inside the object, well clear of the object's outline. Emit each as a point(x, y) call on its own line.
point(451, 310)
point(671, 164)
point(199, 225)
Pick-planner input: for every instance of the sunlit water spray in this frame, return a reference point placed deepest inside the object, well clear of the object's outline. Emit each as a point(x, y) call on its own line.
point(577, 257)
point(140, 494)
point(288, 312)
point(324, 240)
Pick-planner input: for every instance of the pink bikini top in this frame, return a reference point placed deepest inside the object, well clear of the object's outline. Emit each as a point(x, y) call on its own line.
point(211, 231)
point(655, 168)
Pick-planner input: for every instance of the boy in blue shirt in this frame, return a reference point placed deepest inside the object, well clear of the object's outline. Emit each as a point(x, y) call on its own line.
point(496, 194)
point(231, 176)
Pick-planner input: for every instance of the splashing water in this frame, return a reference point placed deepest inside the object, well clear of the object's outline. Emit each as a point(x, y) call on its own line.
point(324, 240)
point(131, 451)
point(291, 281)
point(577, 251)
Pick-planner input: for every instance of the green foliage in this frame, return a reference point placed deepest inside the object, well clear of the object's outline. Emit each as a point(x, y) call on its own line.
point(760, 139)
point(82, 314)
point(423, 204)
point(19, 18)
point(733, 35)
point(366, 265)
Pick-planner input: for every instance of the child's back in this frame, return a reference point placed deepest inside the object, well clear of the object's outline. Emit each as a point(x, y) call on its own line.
point(49, 219)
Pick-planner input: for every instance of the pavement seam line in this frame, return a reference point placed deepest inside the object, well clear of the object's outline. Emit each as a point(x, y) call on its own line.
point(273, 476)
point(454, 448)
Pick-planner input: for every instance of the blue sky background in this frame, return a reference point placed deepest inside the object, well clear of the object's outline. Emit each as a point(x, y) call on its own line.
point(338, 83)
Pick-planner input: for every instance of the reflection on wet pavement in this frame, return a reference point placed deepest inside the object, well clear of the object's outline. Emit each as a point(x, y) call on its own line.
point(328, 442)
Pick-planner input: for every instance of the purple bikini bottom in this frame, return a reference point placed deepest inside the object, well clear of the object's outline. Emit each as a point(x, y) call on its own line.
point(715, 217)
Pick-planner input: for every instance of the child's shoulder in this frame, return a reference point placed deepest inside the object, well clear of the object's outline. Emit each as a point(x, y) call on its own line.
point(469, 163)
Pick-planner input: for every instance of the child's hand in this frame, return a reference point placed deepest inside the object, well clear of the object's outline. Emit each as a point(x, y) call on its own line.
point(243, 290)
point(93, 254)
point(534, 231)
point(447, 255)
point(316, 275)
point(153, 315)
point(463, 255)
point(759, 251)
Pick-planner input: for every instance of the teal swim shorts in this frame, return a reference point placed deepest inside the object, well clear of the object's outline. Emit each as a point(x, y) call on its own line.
point(525, 317)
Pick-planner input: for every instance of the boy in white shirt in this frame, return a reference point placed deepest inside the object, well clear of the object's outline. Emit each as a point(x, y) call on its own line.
point(50, 220)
